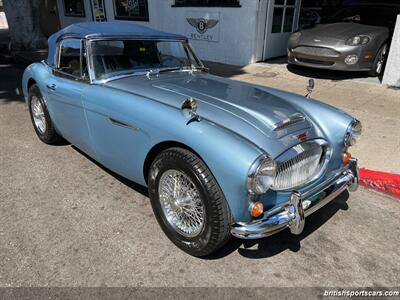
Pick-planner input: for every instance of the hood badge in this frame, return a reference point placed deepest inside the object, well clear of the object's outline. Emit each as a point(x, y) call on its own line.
point(189, 110)
point(302, 137)
point(289, 121)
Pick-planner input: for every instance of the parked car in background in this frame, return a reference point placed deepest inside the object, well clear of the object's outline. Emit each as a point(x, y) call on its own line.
point(355, 38)
point(219, 157)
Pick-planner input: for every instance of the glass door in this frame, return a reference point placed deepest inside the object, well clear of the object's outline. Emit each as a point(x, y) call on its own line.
point(99, 12)
point(282, 19)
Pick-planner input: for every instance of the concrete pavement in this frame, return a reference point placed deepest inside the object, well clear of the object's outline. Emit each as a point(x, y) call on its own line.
point(67, 221)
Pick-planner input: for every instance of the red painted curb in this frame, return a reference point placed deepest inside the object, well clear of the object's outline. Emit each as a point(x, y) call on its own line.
point(380, 181)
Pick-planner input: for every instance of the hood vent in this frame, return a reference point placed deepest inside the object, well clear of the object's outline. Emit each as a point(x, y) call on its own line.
point(290, 121)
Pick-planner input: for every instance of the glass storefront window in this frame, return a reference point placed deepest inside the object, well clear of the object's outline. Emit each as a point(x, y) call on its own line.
point(74, 8)
point(135, 10)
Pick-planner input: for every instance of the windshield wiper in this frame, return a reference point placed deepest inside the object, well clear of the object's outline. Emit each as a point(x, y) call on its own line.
point(163, 70)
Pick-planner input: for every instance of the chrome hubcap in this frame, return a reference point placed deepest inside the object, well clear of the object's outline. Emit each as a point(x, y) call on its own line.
point(181, 203)
point(38, 114)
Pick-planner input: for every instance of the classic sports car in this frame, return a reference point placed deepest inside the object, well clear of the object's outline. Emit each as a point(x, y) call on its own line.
point(219, 157)
point(355, 38)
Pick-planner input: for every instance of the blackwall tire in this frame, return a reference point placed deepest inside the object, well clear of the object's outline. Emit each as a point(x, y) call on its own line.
point(197, 184)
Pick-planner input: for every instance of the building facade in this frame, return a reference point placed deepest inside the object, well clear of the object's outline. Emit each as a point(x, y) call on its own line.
point(235, 32)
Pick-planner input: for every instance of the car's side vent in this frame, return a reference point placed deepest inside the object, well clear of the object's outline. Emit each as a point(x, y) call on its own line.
point(292, 120)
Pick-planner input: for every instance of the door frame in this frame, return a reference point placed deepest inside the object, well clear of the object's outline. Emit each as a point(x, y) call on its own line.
point(269, 19)
point(92, 7)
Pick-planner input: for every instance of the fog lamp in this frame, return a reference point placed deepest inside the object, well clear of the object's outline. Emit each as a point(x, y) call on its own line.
point(351, 59)
point(256, 209)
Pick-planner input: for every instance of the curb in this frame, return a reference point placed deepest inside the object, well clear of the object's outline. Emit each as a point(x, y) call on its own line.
point(383, 182)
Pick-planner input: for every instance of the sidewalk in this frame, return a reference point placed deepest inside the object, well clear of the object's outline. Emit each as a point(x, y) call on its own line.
point(377, 107)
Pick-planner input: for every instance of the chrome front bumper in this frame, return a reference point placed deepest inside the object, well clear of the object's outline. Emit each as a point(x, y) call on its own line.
point(292, 213)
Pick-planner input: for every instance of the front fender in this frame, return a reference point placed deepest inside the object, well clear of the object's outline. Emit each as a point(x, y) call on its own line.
point(227, 155)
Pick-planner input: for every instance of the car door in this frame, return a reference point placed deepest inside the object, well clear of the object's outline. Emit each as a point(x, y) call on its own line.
point(65, 90)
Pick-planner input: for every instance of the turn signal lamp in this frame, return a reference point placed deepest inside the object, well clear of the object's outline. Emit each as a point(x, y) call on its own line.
point(346, 158)
point(256, 209)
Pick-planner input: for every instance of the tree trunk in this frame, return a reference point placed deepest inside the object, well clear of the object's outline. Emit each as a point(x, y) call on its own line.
point(23, 18)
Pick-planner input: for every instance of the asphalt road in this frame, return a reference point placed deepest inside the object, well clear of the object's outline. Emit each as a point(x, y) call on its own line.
point(67, 221)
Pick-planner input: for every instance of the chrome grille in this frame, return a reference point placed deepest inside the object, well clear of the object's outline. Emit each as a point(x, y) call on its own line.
point(316, 51)
point(300, 169)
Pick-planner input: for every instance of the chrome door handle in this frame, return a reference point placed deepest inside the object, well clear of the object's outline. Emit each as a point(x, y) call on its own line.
point(51, 87)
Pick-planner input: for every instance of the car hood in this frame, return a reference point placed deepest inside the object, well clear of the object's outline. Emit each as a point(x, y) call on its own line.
point(336, 32)
point(248, 110)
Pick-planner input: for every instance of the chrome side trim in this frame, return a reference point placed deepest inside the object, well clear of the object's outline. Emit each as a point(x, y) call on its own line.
point(291, 214)
point(123, 124)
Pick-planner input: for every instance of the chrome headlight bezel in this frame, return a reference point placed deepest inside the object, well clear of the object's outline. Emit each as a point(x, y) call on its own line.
point(261, 175)
point(353, 133)
point(358, 40)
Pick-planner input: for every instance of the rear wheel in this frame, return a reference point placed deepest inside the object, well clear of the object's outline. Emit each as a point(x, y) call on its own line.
point(380, 61)
point(188, 203)
point(40, 117)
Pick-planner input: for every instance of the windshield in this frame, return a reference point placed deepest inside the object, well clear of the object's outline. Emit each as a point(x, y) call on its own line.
point(119, 57)
point(368, 15)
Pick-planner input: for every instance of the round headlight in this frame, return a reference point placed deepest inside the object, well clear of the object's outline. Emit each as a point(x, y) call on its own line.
point(353, 133)
point(358, 40)
point(261, 175)
point(295, 36)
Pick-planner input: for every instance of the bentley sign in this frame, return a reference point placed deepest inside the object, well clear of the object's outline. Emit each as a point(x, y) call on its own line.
point(203, 26)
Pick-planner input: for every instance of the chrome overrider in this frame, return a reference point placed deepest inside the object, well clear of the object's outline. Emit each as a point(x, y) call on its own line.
point(292, 213)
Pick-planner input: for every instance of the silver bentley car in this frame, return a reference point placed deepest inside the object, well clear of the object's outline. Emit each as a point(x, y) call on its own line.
point(355, 38)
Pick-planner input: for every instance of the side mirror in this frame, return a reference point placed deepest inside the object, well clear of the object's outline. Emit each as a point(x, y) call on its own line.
point(310, 87)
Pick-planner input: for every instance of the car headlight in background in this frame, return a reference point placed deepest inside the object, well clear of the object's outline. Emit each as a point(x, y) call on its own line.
point(358, 40)
point(295, 36)
point(261, 175)
point(353, 133)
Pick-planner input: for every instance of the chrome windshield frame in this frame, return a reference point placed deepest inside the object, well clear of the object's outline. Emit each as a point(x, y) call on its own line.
point(89, 41)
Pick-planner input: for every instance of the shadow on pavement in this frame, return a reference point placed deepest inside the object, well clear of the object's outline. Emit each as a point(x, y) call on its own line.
point(284, 240)
point(224, 70)
point(133, 185)
point(10, 83)
point(260, 248)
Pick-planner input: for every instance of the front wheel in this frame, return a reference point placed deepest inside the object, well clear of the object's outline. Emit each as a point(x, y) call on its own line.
point(41, 118)
point(188, 202)
point(379, 62)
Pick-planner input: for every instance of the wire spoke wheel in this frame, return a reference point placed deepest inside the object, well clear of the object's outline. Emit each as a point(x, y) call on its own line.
point(181, 203)
point(38, 114)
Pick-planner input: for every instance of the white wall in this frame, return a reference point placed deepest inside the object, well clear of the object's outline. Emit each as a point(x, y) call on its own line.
point(238, 29)
point(392, 72)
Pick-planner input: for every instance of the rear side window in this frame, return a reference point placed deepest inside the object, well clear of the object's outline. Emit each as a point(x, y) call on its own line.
point(70, 57)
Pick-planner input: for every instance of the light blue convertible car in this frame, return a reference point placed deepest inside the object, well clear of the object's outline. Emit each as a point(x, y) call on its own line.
point(219, 157)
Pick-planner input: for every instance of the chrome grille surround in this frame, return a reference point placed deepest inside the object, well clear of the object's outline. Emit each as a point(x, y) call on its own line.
point(316, 51)
point(301, 164)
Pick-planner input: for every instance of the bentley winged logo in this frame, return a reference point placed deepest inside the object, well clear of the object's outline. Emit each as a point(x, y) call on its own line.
point(201, 24)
